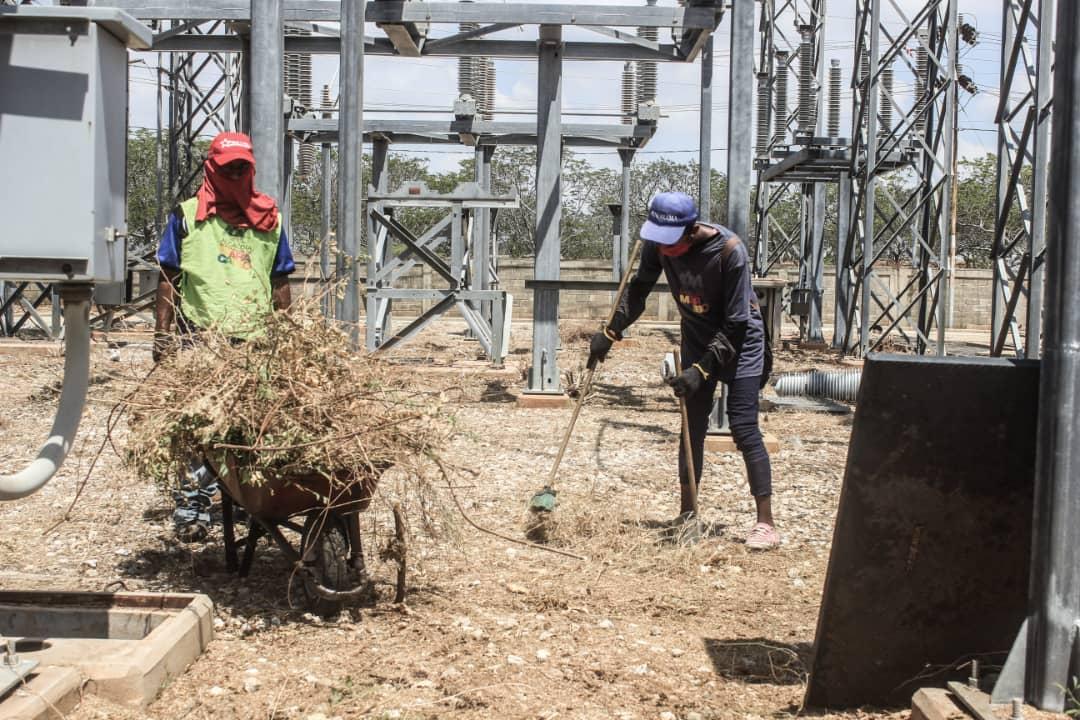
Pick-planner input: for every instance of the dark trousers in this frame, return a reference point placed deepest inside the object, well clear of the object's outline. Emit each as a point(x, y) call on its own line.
point(742, 412)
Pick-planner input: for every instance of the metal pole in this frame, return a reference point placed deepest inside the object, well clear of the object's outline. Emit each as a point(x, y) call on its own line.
point(482, 249)
point(842, 289)
point(816, 265)
point(1044, 85)
point(351, 157)
point(740, 118)
point(325, 227)
point(627, 157)
point(1055, 575)
point(266, 91)
point(871, 178)
point(544, 374)
point(999, 288)
point(378, 244)
point(944, 283)
point(705, 137)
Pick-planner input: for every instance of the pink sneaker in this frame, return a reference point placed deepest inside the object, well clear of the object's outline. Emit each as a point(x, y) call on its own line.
point(762, 537)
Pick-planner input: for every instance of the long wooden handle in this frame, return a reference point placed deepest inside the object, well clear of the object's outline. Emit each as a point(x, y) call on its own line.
point(586, 384)
point(687, 450)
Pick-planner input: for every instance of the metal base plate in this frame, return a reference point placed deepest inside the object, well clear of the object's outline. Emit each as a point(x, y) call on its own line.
point(11, 676)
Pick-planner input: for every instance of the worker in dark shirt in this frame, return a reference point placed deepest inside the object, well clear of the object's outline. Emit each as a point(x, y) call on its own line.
point(723, 339)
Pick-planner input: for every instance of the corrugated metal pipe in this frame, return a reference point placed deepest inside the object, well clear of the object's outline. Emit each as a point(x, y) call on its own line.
point(840, 385)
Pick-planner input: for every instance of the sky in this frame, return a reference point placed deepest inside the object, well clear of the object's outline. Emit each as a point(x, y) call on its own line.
point(398, 84)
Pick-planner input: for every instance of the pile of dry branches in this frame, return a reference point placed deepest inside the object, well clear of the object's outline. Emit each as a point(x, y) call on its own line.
point(296, 401)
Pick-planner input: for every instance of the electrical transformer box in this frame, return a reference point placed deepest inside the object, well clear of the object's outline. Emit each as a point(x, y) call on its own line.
point(63, 142)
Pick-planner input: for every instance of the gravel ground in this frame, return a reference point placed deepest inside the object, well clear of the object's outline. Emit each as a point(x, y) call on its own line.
point(641, 629)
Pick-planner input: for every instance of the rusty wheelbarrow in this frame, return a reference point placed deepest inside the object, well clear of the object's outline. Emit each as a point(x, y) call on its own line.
point(325, 512)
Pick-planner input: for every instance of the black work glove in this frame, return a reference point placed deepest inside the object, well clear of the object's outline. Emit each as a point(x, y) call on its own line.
point(688, 382)
point(164, 345)
point(600, 346)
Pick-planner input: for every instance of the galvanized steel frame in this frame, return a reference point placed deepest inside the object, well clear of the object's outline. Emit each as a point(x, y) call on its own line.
point(921, 142)
point(780, 59)
point(1023, 145)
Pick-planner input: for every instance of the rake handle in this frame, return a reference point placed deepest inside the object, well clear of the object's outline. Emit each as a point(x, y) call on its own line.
point(687, 450)
point(586, 384)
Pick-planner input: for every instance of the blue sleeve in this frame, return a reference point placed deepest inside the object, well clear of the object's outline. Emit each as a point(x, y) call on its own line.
point(168, 254)
point(283, 261)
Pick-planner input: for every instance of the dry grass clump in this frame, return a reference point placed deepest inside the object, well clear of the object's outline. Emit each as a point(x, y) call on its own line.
point(297, 401)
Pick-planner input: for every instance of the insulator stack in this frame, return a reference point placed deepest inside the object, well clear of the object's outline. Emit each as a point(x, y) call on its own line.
point(629, 93)
point(922, 74)
point(479, 88)
point(646, 71)
point(489, 88)
point(807, 81)
point(298, 86)
point(780, 98)
point(763, 116)
point(835, 83)
point(885, 100)
point(864, 83)
point(470, 70)
point(326, 99)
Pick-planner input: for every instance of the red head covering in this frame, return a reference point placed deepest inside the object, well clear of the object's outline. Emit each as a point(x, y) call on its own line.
point(234, 200)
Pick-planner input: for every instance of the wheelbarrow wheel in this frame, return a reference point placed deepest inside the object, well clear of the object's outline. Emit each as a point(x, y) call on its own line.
point(330, 579)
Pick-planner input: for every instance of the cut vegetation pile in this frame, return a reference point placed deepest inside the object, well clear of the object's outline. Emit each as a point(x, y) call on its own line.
point(295, 402)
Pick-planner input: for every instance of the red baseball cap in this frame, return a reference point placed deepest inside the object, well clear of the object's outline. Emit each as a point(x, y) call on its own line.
point(230, 146)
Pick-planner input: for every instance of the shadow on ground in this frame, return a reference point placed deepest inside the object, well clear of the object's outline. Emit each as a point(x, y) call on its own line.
point(759, 660)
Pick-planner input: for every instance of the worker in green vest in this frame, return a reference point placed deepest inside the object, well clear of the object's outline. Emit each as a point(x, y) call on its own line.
point(225, 264)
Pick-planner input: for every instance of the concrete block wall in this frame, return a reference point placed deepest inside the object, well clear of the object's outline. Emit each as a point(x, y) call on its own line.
point(971, 301)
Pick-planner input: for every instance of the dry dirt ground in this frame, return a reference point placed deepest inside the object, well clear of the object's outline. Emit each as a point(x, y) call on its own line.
point(641, 629)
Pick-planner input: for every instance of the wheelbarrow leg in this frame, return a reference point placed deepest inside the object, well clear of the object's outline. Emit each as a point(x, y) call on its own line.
point(356, 544)
point(228, 528)
point(255, 531)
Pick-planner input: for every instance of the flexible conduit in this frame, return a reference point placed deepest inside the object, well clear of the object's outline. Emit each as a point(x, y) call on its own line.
point(840, 385)
point(72, 400)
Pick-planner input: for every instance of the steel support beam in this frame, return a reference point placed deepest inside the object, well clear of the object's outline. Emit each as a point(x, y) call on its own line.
point(740, 118)
point(266, 92)
point(544, 373)
point(842, 287)
point(351, 160)
point(1044, 89)
point(1054, 612)
point(703, 16)
point(627, 158)
point(326, 226)
point(705, 135)
point(379, 309)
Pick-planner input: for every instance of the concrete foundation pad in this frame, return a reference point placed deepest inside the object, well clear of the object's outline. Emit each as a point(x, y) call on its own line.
point(33, 347)
point(124, 646)
point(535, 401)
point(935, 704)
point(726, 444)
point(49, 694)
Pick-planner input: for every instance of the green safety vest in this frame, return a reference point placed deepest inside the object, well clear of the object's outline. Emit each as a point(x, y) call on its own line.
point(225, 274)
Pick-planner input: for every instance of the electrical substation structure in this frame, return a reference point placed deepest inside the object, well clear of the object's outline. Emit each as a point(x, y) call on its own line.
point(247, 65)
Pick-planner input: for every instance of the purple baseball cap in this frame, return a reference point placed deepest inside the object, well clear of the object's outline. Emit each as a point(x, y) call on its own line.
point(669, 214)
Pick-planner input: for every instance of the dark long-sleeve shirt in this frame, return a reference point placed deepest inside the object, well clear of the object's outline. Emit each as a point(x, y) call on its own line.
point(711, 284)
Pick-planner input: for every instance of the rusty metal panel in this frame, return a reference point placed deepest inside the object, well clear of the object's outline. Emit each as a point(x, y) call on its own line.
point(930, 554)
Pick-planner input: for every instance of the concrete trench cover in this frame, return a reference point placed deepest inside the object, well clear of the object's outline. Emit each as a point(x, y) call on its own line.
point(120, 646)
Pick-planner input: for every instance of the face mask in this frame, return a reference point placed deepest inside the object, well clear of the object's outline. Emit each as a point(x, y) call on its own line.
point(678, 249)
